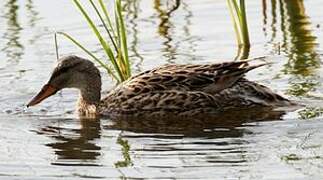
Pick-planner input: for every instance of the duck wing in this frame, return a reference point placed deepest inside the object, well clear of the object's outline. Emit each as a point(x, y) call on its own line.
point(210, 78)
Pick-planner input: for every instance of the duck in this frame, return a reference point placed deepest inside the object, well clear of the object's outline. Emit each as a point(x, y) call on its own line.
point(180, 89)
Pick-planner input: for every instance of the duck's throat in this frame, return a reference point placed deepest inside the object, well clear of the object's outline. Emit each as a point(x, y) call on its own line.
point(88, 103)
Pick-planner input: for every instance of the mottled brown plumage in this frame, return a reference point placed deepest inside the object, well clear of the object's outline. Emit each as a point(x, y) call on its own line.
point(179, 89)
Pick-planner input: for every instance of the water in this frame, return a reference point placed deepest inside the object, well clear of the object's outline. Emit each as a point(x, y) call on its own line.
point(50, 142)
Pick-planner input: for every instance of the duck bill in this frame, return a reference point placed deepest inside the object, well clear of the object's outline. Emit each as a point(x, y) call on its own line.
point(45, 92)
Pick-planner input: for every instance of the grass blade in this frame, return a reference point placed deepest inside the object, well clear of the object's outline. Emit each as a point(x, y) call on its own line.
point(235, 22)
point(244, 23)
point(108, 19)
point(239, 18)
point(56, 46)
point(104, 44)
point(104, 25)
point(123, 37)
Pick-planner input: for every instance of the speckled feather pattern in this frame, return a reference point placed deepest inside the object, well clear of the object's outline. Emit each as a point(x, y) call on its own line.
point(190, 89)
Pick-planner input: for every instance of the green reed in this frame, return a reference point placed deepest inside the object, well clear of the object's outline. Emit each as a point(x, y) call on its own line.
point(116, 48)
point(239, 18)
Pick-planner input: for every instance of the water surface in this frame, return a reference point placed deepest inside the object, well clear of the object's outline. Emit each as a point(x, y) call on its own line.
point(50, 142)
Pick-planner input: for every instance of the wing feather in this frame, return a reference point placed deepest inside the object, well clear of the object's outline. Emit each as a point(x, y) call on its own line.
point(211, 78)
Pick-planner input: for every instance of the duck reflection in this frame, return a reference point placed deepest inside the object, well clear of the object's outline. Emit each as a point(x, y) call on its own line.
point(215, 139)
point(202, 125)
point(74, 143)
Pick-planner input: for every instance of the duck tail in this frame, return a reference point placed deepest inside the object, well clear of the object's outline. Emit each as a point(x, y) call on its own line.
point(243, 68)
point(251, 67)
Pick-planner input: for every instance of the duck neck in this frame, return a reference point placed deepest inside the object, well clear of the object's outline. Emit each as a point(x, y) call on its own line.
point(89, 98)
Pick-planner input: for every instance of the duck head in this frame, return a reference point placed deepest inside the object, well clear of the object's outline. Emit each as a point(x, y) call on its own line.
point(74, 72)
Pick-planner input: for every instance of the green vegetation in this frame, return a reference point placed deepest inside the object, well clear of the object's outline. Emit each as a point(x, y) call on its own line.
point(302, 88)
point(116, 49)
point(310, 112)
point(239, 18)
point(290, 157)
point(125, 153)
